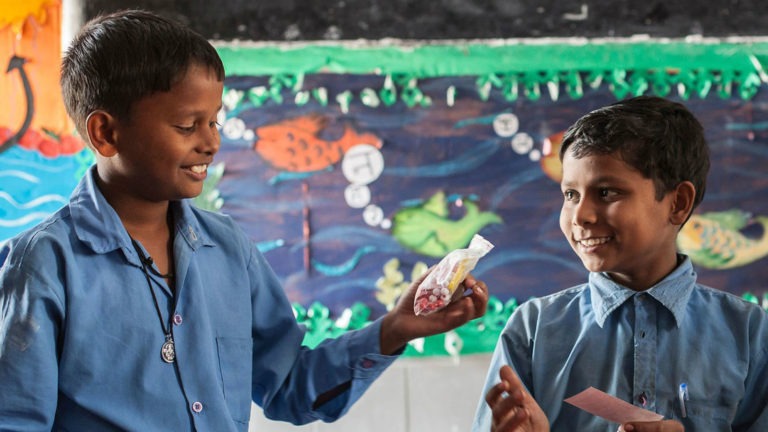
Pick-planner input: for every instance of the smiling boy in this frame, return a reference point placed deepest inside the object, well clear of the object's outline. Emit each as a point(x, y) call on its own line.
point(130, 309)
point(642, 326)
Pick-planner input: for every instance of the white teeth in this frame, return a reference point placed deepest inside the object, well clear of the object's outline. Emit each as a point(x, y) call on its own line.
point(199, 169)
point(594, 241)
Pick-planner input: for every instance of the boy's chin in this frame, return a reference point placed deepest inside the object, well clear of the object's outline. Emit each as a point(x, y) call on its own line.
point(190, 194)
point(594, 265)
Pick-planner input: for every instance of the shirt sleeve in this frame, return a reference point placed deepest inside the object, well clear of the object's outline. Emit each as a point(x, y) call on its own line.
point(514, 349)
point(752, 414)
point(31, 311)
point(288, 378)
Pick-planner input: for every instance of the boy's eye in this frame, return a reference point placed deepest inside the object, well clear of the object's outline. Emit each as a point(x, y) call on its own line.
point(186, 129)
point(607, 193)
point(569, 195)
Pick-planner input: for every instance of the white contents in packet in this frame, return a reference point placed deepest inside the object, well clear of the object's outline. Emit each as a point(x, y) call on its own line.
point(438, 288)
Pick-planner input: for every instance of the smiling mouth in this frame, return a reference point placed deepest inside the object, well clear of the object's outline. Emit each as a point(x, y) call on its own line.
point(592, 242)
point(199, 169)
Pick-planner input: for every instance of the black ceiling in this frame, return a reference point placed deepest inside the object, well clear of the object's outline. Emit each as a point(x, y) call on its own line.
point(285, 20)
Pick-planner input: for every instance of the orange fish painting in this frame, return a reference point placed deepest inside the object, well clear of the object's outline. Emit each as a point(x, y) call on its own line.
point(550, 160)
point(295, 145)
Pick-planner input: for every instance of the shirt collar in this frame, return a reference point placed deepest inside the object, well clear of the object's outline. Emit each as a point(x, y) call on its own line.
point(97, 224)
point(672, 292)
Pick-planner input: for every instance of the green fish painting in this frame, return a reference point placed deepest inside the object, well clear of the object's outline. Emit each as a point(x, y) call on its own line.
point(715, 241)
point(428, 229)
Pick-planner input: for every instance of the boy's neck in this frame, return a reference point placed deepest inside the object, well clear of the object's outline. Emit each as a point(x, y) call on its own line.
point(147, 224)
point(145, 221)
point(638, 286)
point(152, 226)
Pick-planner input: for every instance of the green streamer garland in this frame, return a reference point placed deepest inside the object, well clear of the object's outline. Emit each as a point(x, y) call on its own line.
point(475, 337)
point(512, 68)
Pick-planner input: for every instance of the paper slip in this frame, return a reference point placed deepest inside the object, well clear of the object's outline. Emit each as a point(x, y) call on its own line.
point(610, 408)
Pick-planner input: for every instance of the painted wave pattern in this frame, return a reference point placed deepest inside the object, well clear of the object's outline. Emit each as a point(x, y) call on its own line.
point(32, 186)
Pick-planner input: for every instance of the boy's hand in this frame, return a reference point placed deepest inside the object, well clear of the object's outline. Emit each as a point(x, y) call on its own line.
point(513, 408)
point(657, 426)
point(401, 324)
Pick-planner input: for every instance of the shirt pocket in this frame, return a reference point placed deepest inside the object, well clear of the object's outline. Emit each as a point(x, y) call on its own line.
point(235, 369)
point(706, 416)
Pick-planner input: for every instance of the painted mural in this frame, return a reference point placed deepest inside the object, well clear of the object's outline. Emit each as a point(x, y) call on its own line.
point(356, 173)
point(41, 160)
point(353, 184)
point(421, 181)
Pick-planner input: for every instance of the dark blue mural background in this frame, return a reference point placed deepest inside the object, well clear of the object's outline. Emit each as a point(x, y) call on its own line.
point(455, 149)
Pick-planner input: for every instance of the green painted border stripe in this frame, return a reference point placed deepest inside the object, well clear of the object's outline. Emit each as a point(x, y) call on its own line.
point(435, 60)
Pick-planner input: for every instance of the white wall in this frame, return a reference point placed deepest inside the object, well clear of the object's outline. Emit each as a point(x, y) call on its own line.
point(413, 395)
point(72, 18)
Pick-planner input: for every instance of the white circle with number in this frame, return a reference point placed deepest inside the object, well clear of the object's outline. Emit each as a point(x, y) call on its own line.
point(373, 215)
point(357, 196)
point(362, 164)
point(506, 125)
point(522, 143)
point(234, 128)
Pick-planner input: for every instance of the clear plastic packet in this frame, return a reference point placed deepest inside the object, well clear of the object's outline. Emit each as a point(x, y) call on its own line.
point(439, 288)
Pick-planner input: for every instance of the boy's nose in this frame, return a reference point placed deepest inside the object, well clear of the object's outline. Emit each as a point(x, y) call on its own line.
point(584, 213)
point(210, 141)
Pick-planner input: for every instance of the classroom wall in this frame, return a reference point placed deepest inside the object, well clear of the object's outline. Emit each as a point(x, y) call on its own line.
point(413, 395)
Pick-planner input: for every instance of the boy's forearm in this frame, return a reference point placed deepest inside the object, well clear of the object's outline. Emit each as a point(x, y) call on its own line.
point(390, 339)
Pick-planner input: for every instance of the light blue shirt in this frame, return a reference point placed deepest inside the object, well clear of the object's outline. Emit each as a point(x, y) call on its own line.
point(80, 337)
point(639, 347)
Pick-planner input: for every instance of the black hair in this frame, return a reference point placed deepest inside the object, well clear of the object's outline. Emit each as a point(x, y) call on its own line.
point(120, 58)
point(660, 138)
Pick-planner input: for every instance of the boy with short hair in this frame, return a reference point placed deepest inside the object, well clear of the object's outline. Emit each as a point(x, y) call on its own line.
point(130, 309)
point(641, 327)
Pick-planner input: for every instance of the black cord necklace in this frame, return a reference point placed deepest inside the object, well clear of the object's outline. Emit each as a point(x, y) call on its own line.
point(168, 350)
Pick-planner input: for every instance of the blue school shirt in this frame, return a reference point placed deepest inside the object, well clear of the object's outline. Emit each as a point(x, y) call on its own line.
point(80, 337)
point(639, 347)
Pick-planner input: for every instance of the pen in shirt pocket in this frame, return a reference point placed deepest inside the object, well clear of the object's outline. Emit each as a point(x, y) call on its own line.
point(682, 395)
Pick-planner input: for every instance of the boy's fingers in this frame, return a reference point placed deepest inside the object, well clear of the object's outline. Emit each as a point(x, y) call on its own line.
point(479, 298)
point(512, 421)
point(469, 307)
point(507, 374)
point(503, 408)
point(477, 302)
point(507, 412)
point(495, 394)
point(507, 401)
point(656, 426)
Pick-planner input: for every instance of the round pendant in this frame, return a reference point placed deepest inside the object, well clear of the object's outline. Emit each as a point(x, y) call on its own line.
point(168, 352)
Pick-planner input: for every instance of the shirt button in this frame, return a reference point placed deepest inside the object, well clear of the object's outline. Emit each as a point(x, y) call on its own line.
point(197, 407)
point(368, 363)
point(177, 319)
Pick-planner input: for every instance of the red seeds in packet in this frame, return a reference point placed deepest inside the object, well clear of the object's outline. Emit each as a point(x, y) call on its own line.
point(439, 288)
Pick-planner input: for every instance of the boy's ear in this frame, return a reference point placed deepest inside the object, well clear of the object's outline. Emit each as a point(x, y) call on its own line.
point(682, 202)
point(100, 126)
